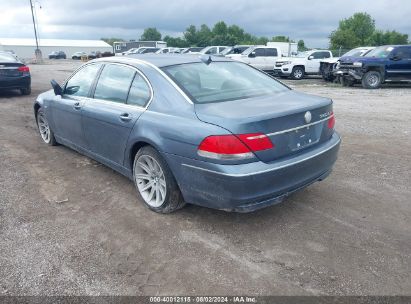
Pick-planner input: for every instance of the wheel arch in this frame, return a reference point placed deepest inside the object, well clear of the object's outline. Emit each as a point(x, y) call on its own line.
point(135, 147)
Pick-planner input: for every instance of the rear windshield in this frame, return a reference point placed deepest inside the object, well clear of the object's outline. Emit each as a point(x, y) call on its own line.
point(5, 57)
point(222, 81)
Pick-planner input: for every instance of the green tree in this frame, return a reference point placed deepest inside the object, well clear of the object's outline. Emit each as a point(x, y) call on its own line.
point(352, 32)
point(111, 40)
point(281, 39)
point(151, 34)
point(175, 42)
point(204, 36)
point(191, 35)
point(387, 37)
point(301, 46)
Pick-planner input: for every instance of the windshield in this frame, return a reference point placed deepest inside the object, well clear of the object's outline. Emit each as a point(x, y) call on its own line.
point(353, 53)
point(303, 54)
point(222, 81)
point(380, 52)
point(227, 51)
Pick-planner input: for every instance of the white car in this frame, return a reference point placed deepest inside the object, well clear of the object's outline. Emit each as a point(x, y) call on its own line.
point(260, 56)
point(211, 50)
point(306, 63)
point(169, 50)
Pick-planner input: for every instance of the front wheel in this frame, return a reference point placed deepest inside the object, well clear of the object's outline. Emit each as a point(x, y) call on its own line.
point(297, 73)
point(372, 80)
point(155, 183)
point(44, 128)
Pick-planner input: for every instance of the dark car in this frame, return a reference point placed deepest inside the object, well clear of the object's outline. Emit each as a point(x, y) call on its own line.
point(14, 74)
point(94, 55)
point(57, 55)
point(206, 131)
point(382, 64)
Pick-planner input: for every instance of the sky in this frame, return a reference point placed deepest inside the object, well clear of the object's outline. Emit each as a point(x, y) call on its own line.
point(311, 20)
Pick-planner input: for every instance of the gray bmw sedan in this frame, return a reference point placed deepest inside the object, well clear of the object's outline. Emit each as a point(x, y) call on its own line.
point(202, 130)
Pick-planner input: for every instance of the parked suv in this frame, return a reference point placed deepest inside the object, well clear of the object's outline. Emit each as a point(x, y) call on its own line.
point(260, 56)
point(57, 55)
point(306, 63)
point(384, 63)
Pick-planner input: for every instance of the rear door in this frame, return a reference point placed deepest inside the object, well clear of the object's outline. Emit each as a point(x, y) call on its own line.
point(121, 95)
point(67, 109)
point(271, 55)
point(399, 65)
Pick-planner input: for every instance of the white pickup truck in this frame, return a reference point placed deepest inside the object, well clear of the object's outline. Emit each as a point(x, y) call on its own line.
point(306, 63)
point(259, 56)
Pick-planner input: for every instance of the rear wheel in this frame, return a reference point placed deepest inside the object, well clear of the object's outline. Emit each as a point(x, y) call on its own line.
point(372, 80)
point(155, 183)
point(44, 128)
point(297, 73)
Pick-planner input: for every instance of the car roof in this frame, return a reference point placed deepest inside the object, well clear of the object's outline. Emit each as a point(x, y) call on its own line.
point(161, 60)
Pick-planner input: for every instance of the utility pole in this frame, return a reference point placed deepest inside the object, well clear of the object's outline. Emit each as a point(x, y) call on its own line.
point(37, 52)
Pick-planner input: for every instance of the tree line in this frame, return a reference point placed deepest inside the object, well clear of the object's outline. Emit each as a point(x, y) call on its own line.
point(202, 36)
point(357, 30)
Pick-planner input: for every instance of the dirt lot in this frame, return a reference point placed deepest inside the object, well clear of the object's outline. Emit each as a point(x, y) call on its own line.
point(348, 235)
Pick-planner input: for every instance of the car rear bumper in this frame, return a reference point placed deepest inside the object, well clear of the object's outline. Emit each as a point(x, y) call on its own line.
point(248, 187)
point(15, 82)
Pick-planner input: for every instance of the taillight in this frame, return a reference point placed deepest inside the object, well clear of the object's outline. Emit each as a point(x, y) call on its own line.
point(233, 146)
point(24, 69)
point(331, 121)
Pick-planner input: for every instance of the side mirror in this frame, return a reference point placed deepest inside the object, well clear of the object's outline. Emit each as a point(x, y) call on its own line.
point(311, 57)
point(56, 87)
point(252, 55)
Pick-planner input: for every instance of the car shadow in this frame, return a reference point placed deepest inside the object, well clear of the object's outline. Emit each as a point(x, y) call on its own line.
point(9, 93)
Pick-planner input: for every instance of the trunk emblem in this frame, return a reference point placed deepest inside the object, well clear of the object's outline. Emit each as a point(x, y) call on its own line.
point(307, 117)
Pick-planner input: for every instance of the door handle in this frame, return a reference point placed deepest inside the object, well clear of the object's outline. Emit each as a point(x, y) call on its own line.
point(125, 117)
point(77, 106)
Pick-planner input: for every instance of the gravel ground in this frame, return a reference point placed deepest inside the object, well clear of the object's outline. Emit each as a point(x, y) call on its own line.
point(70, 226)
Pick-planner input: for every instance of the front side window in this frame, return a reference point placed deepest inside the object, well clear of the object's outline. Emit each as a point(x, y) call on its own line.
point(321, 55)
point(80, 83)
point(140, 92)
point(222, 81)
point(402, 53)
point(114, 83)
point(213, 50)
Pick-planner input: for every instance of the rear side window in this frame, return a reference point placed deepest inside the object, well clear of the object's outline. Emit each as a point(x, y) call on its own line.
point(259, 52)
point(139, 92)
point(80, 83)
point(114, 83)
point(271, 52)
point(321, 55)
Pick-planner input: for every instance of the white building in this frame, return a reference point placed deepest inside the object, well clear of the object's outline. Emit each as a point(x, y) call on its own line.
point(24, 48)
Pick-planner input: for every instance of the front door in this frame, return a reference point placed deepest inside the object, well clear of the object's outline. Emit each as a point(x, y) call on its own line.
point(120, 97)
point(313, 62)
point(399, 66)
point(67, 109)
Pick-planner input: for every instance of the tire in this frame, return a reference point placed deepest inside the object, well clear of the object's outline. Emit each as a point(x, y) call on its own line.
point(372, 80)
point(297, 73)
point(44, 128)
point(25, 91)
point(164, 195)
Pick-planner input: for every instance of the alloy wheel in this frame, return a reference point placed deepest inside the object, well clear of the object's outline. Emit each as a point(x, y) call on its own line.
point(44, 127)
point(150, 180)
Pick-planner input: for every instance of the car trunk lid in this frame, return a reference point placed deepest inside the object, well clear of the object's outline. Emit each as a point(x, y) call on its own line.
point(293, 121)
point(11, 69)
